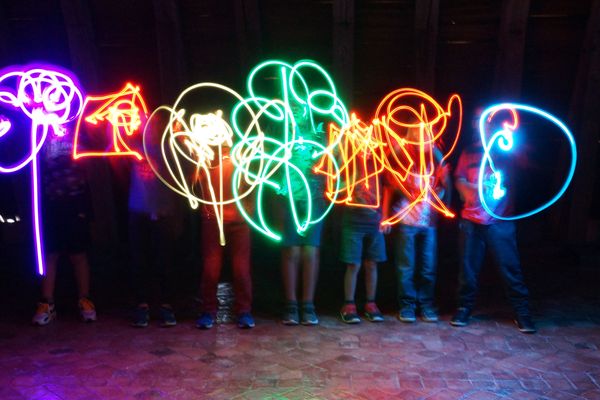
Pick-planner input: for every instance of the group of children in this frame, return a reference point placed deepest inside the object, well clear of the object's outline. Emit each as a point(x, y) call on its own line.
point(414, 244)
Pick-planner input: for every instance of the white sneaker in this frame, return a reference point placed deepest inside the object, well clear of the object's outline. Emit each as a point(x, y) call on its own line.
point(87, 310)
point(44, 314)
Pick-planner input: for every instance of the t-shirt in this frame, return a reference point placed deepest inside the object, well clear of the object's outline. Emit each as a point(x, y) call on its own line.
point(421, 213)
point(63, 178)
point(147, 194)
point(302, 158)
point(468, 169)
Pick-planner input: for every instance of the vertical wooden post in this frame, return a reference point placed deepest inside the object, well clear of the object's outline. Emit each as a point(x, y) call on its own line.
point(343, 47)
point(82, 47)
point(4, 34)
point(585, 104)
point(248, 30)
point(426, 32)
point(169, 46)
point(511, 48)
point(80, 33)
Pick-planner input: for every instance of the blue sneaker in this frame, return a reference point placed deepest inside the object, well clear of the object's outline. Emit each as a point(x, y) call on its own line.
point(167, 317)
point(205, 321)
point(245, 321)
point(141, 316)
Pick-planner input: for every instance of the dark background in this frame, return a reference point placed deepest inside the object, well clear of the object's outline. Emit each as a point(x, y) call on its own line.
point(540, 52)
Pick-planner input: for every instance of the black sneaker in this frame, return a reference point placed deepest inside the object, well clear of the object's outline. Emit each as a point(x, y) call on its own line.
point(291, 316)
point(525, 324)
point(167, 317)
point(141, 316)
point(407, 314)
point(309, 316)
point(461, 318)
point(349, 315)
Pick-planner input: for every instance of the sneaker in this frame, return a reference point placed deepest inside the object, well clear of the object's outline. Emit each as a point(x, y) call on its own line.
point(141, 317)
point(245, 321)
point(372, 313)
point(525, 324)
point(44, 314)
point(309, 316)
point(205, 321)
point(290, 314)
point(348, 314)
point(461, 318)
point(407, 314)
point(87, 310)
point(167, 317)
point(428, 314)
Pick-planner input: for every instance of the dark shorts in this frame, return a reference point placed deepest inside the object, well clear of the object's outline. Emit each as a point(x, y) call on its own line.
point(309, 237)
point(66, 227)
point(362, 241)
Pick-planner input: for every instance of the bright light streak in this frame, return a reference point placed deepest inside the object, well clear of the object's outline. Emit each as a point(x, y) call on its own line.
point(410, 158)
point(299, 94)
point(124, 111)
point(50, 98)
point(504, 139)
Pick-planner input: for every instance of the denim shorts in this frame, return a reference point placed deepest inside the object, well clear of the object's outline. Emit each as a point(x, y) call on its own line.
point(309, 237)
point(362, 241)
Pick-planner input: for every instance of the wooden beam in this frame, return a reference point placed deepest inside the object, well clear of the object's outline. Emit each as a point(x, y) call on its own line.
point(585, 104)
point(508, 75)
point(343, 47)
point(82, 47)
point(426, 33)
point(248, 30)
point(4, 34)
point(170, 49)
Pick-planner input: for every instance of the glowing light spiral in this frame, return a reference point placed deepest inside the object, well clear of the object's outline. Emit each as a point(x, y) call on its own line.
point(411, 158)
point(125, 112)
point(50, 98)
point(504, 140)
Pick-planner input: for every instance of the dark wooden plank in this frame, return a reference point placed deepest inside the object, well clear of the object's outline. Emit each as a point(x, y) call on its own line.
point(343, 47)
point(426, 35)
point(585, 118)
point(511, 47)
point(248, 31)
point(80, 33)
point(170, 49)
point(83, 51)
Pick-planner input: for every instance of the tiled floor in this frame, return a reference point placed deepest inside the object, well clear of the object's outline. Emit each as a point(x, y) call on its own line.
point(489, 359)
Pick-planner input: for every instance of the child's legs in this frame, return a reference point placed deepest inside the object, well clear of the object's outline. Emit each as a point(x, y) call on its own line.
point(350, 279)
point(81, 268)
point(310, 272)
point(404, 249)
point(428, 264)
point(374, 252)
point(164, 234)
point(49, 278)
point(290, 260)
point(370, 279)
point(238, 239)
point(351, 255)
point(139, 248)
point(212, 253)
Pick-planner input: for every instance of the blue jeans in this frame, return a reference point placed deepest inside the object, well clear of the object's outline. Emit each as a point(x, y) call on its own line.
point(500, 238)
point(416, 263)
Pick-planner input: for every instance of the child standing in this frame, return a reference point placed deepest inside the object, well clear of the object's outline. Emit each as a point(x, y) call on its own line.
point(66, 217)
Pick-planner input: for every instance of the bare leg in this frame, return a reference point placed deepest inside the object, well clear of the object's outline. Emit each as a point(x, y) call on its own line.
point(370, 279)
point(290, 257)
point(310, 272)
point(82, 273)
point(49, 279)
point(350, 279)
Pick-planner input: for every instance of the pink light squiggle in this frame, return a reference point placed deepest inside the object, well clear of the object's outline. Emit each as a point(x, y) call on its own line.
point(50, 99)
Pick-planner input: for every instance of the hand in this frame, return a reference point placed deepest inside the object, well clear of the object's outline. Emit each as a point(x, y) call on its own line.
point(385, 228)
